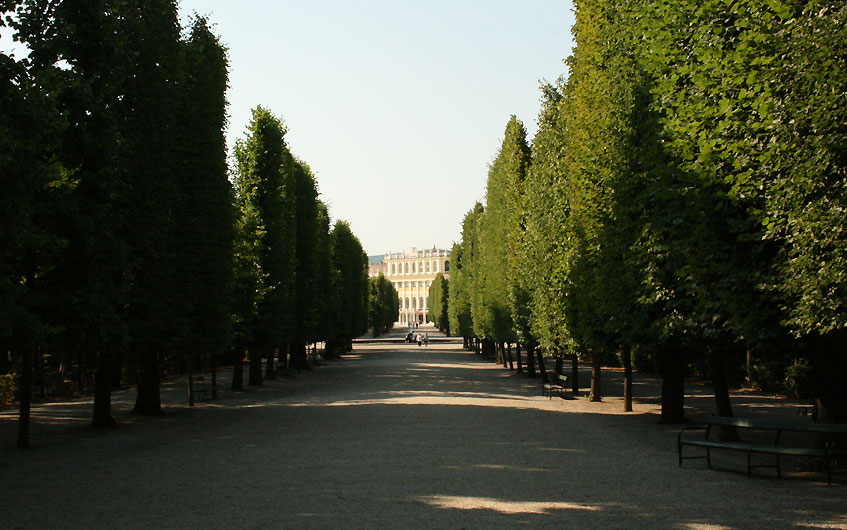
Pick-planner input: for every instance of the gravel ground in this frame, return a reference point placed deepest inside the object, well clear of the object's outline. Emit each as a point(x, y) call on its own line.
point(396, 436)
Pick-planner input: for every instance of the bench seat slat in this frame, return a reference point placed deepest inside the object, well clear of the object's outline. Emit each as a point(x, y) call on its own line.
point(769, 425)
point(736, 446)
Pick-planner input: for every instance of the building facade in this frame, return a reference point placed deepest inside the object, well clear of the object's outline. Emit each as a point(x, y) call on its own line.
point(412, 274)
point(376, 266)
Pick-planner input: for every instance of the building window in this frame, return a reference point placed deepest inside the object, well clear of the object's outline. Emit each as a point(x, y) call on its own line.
point(393, 271)
point(420, 267)
point(407, 302)
point(421, 302)
point(427, 266)
point(414, 304)
point(447, 266)
point(435, 267)
point(413, 268)
point(407, 268)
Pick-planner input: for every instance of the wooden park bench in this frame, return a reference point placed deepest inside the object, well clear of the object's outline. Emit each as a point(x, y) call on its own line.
point(825, 450)
point(556, 383)
point(201, 387)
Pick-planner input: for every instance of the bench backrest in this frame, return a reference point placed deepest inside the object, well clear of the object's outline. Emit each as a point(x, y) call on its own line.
point(830, 428)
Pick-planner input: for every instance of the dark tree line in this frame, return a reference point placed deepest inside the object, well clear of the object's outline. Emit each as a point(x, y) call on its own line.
point(383, 305)
point(439, 293)
point(129, 250)
point(681, 206)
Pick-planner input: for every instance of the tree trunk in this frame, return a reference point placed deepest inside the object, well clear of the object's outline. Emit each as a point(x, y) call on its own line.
point(102, 416)
point(530, 360)
point(147, 400)
point(238, 370)
point(214, 377)
point(518, 356)
point(190, 383)
point(749, 368)
point(717, 365)
point(270, 368)
point(672, 368)
point(596, 378)
point(42, 378)
point(559, 365)
point(540, 356)
point(79, 370)
point(506, 349)
point(64, 361)
point(574, 374)
point(254, 377)
point(25, 399)
point(116, 362)
point(828, 368)
point(299, 360)
point(626, 357)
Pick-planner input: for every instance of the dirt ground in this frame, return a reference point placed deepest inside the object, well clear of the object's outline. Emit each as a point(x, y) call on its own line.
point(398, 436)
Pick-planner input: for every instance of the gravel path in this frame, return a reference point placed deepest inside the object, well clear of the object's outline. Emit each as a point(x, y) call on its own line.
point(392, 436)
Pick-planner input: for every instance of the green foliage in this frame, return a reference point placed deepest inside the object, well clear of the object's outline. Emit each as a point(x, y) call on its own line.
point(545, 211)
point(205, 215)
point(307, 272)
point(383, 304)
point(801, 151)
point(439, 293)
point(33, 183)
point(8, 388)
point(349, 287)
point(265, 253)
point(460, 297)
point(799, 379)
point(323, 303)
point(498, 229)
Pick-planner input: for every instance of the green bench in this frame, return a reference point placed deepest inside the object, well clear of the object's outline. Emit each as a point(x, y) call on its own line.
point(556, 383)
point(826, 450)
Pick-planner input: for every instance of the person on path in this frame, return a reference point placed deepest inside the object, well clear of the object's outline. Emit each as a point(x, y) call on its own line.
point(418, 339)
point(426, 339)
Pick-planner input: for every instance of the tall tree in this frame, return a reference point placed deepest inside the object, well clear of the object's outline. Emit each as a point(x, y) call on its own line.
point(547, 208)
point(204, 212)
point(31, 177)
point(148, 162)
point(349, 288)
point(265, 249)
point(462, 273)
point(306, 288)
point(439, 295)
point(492, 314)
point(383, 304)
point(806, 197)
point(91, 270)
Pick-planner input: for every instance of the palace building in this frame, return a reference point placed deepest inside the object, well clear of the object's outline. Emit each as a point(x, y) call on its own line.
point(412, 274)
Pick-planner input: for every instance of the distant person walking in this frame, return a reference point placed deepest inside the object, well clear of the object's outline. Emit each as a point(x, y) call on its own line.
point(418, 339)
point(426, 339)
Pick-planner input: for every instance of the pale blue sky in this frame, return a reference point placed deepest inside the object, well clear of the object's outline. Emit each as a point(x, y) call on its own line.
point(397, 106)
